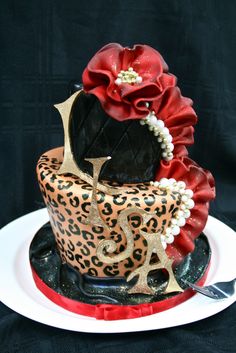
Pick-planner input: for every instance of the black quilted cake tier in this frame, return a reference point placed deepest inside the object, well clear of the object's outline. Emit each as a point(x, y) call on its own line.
point(134, 150)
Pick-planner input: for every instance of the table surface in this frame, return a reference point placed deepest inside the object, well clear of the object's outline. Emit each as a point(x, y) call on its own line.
point(214, 334)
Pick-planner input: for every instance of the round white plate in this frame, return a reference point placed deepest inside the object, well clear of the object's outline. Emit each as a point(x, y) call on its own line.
point(19, 292)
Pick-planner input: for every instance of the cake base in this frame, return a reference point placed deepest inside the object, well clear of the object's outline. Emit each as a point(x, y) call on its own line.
point(108, 298)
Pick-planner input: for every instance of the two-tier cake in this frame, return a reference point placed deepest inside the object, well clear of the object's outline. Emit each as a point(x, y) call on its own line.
point(126, 204)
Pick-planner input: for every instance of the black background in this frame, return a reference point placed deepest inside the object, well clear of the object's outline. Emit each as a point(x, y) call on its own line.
point(45, 45)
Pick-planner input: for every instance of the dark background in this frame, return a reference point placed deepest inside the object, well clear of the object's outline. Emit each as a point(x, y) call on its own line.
point(45, 45)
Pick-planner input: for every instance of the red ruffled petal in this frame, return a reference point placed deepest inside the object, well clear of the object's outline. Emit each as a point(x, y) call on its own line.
point(178, 115)
point(180, 151)
point(201, 182)
point(167, 80)
point(146, 61)
point(182, 136)
point(102, 70)
point(107, 59)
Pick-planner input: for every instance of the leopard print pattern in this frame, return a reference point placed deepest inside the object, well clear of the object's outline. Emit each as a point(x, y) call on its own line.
point(67, 199)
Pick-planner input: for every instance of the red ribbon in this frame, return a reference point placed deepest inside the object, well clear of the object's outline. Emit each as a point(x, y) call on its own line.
point(113, 311)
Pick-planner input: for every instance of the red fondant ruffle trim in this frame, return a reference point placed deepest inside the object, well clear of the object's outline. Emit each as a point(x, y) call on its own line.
point(201, 182)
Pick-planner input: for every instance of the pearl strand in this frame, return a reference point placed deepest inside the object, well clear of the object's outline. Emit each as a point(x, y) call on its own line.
point(182, 214)
point(162, 133)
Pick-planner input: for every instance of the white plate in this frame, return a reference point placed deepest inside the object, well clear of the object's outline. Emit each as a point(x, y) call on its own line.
point(19, 292)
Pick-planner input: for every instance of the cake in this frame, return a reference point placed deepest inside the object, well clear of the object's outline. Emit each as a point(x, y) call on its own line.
point(126, 204)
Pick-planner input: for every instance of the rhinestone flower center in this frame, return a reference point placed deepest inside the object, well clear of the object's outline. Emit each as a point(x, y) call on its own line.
point(129, 76)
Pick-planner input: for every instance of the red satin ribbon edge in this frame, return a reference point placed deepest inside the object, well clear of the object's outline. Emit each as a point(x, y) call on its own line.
point(113, 311)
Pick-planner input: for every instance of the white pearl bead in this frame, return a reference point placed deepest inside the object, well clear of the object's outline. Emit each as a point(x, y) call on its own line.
point(164, 154)
point(172, 180)
point(156, 184)
point(181, 222)
point(170, 239)
point(151, 182)
point(180, 213)
point(174, 221)
point(181, 184)
point(189, 193)
point(175, 230)
point(139, 79)
point(164, 180)
point(159, 139)
point(190, 203)
point(142, 122)
point(165, 131)
point(183, 207)
point(184, 198)
point(163, 146)
point(151, 127)
point(170, 147)
point(153, 120)
point(169, 158)
point(118, 81)
point(168, 230)
point(169, 138)
point(156, 125)
point(187, 214)
point(160, 123)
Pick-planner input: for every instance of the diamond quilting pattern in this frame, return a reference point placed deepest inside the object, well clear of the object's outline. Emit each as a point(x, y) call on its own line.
point(134, 150)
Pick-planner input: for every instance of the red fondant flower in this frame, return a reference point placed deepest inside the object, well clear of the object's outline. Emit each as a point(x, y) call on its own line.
point(178, 116)
point(201, 182)
point(126, 97)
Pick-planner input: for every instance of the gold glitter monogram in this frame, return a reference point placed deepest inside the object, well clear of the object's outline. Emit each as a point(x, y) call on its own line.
point(106, 248)
point(154, 246)
point(69, 164)
point(94, 217)
point(110, 246)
